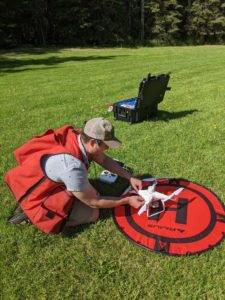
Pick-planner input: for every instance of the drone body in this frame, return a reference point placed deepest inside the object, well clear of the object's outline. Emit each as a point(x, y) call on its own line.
point(155, 199)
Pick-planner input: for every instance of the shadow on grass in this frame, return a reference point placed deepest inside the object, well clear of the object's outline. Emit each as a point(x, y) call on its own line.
point(7, 71)
point(32, 50)
point(167, 116)
point(115, 190)
point(9, 65)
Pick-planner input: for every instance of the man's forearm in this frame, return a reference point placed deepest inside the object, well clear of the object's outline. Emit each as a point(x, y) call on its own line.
point(93, 199)
point(108, 202)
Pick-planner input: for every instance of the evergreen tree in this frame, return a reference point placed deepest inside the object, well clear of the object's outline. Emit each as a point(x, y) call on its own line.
point(164, 18)
point(206, 21)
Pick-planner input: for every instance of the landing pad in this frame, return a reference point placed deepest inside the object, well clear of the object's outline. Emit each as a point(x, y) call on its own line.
point(193, 223)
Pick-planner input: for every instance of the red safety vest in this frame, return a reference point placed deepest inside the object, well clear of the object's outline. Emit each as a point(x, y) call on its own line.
point(46, 203)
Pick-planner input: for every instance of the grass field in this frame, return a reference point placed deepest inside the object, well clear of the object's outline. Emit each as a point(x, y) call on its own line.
point(48, 88)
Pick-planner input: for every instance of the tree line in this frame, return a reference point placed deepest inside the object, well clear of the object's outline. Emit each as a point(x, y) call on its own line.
point(111, 22)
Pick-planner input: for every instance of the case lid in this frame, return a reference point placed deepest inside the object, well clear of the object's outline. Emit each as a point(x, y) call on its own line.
point(152, 90)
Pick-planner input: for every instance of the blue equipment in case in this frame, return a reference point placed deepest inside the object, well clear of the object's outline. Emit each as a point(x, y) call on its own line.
point(151, 92)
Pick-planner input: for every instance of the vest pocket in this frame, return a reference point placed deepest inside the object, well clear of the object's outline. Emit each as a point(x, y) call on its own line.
point(53, 211)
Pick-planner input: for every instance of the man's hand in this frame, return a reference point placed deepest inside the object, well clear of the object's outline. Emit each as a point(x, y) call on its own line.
point(136, 201)
point(136, 183)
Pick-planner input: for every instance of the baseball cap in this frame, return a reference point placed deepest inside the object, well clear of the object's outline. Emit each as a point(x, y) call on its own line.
point(101, 129)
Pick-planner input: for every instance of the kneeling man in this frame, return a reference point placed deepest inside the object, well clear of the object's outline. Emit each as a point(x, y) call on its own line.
point(50, 183)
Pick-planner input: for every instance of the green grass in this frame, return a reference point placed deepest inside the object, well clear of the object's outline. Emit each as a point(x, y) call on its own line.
point(44, 88)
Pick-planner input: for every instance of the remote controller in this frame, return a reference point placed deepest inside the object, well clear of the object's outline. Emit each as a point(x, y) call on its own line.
point(108, 177)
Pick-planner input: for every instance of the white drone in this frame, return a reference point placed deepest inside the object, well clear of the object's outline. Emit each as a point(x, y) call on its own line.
point(154, 200)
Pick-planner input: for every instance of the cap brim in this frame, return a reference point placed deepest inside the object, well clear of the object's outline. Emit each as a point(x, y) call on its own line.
point(115, 143)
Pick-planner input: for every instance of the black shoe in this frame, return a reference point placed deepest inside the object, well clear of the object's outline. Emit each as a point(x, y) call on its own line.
point(18, 217)
point(17, 210)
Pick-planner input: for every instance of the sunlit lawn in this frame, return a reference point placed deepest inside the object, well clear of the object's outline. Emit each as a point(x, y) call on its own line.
point(41, 89)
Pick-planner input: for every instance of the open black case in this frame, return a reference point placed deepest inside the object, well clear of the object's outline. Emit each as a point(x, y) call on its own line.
point(151, 92)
